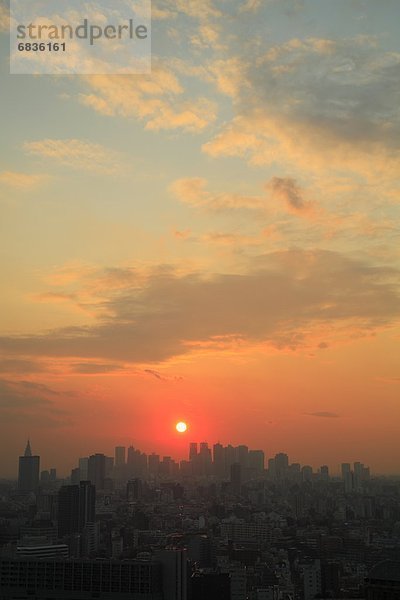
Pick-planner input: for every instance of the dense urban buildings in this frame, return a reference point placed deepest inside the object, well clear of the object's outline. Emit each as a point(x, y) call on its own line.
point(225, 523)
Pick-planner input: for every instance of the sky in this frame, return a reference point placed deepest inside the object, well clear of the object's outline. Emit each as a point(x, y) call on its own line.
point(215, 242)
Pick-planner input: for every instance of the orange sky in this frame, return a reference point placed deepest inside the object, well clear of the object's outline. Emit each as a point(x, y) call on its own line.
point(216, 242)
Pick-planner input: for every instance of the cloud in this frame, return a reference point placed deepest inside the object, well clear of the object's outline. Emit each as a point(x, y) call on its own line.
point(202, 10)
point(20, 366)
point(323, 345)
point(286, 189)
point(20, 180)
point(91, 368)
point(155, 374)
point(319, 105)
point(282, 299)
point(323, 414)
point(230, 239)
point(76, 154)
point(193, 191)
point(159, 101)
point(55, 297)
point(29, 402)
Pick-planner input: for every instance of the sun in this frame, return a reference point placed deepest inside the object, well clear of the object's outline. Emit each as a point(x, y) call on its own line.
point(181, 427)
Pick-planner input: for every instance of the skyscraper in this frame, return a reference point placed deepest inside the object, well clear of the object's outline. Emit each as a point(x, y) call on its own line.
point(243, 456)
point(347, 477)
point(76, 507)
point(324, 473)
point(68, 510)
point(192, 450)
point(219, 460)
point(83, 468)
point(174, 573)
point(154, 464)
point(97, 470)
point(28, 471)
point(120, 452)
point(281, 465)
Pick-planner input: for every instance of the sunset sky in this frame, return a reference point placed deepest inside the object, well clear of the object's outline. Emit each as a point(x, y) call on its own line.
point(217, 242)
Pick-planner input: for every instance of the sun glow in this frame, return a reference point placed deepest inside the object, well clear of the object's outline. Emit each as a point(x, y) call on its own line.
point(181, 427)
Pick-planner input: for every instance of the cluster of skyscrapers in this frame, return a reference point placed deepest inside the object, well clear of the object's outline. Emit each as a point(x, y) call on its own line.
point(234, 463)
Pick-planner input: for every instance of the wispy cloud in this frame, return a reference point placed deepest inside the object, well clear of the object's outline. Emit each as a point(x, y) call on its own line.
point(159, 101)
point(193, 191)
point(330, 94)
point(21, 180)
point(76, 154)
point(91, 368)
point(323, 414)
point(33, 403)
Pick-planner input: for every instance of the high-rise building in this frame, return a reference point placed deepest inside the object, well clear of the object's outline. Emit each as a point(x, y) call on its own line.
point(324, 473)
point(307, 473)
point(44, 477)
point(136, 463)
point(312, 580)
point(271, 468)
point(87, 504)
point(281, 465)
point(68, 510)
point(192, 450)
point(83, 468)
point(204, 460)
point(28, 471)
point(346, 468)
point(97, 470)
point(120, 456)
point(174, 573)
point(75, 476)
point(76, 507)
point(219, 460)
point(231, 456)
point(294, 473)
point(347, 477)
point(358, 476)
point(154, 463)
point(243, 456)
point(109, 466)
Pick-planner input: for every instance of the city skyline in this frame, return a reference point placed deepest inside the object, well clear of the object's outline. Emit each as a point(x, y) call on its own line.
point(122, 456)
point(215, 242)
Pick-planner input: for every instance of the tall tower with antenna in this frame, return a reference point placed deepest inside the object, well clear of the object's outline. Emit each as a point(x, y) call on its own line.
point(28, 471)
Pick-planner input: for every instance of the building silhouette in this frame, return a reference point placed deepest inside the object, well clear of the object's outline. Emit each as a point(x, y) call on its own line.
point(76, 508)
point(28, 471)
point(174, 573)
point(97, 470)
